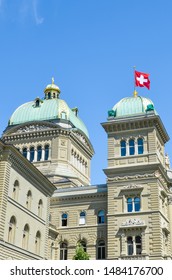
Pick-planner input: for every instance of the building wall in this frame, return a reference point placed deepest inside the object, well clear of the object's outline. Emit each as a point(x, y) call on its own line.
point(91, 231)
point(24, 211)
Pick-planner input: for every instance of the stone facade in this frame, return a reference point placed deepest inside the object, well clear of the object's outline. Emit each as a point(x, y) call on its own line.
point(24, 207)
point(129, 217)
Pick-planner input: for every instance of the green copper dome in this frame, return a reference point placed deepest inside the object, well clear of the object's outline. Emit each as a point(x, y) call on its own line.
point(52, 108)
point(133, 105)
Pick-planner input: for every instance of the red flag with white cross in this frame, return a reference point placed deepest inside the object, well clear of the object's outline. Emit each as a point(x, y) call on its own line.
point(142, 80)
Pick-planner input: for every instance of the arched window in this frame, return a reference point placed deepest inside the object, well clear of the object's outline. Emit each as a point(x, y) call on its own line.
point(129, 204)
point(32, 154)
point(11, 230)
point(49, 95)
point(25, 239)
point(140, 146)
point(130, 245)
point(137, 204)
point(64, 220)
point(101, 217)
point(15, 190)
point(63, 251)
point(40, 207)
point(29, 200)
point(131, 147)
point(82, 218)
point(37, 243)
point(138, 244)
point(46, 157)
point(101, 250)
point(84, 245)
point(24, 152)
point(123, 148)
point(39, 153)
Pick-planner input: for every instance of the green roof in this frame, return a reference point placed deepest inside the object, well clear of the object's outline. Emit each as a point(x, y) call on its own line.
point(48, 110)
point(132, 106)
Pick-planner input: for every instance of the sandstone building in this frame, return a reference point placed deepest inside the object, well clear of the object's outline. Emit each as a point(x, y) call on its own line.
point(129, 216)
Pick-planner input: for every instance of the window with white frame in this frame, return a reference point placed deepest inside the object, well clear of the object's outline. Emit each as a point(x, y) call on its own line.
point(131, 147)
point(140, 146)
point(134, 245)
point(123, 148)
point(133, 204)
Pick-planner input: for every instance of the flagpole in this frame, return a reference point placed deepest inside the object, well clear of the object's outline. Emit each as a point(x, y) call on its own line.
point(135, 93)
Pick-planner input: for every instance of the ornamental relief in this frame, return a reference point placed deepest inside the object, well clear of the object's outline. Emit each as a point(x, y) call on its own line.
point(133, 222)
point(125, 178)
point(132, 186)
point(30, 128)
point(80, 137)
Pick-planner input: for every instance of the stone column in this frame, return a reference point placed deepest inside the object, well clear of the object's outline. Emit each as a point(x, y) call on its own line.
point(35, 154)
point(123, 244)
point(28, 154)
point(143, 243)
point(43, 154)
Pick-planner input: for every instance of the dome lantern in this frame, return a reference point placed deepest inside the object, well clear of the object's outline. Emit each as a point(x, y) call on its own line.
point(51, 90)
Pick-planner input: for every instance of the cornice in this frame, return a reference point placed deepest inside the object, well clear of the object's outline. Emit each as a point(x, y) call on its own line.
point(145, 121)
point(131, 177)
point(78, 197)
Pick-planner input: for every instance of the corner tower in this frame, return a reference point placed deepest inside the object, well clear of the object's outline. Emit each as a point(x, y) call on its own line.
point(53, 137)
point(138, 215)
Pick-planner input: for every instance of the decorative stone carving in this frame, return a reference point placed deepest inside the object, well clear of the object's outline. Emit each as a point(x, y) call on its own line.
point(63, 143)
point(124, 178)
point(133, 222)
point(30, 128)
point(132, 186)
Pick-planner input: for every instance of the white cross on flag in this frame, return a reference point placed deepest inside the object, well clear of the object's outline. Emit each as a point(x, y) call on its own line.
point(142, 79)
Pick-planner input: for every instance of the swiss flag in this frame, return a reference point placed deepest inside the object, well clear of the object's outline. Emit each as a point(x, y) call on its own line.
point(142, 79)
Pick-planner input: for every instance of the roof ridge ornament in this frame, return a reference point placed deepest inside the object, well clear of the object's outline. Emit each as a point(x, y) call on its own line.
point(135, 93)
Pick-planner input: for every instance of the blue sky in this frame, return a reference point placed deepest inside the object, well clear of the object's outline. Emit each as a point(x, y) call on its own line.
point(90, 47)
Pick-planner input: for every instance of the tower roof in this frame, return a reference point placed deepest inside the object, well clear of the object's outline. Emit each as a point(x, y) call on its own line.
point(51, 108)
point(133, 105)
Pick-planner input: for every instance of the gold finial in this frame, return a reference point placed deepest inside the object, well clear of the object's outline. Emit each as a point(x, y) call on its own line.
point(52, 80)
point(135, 93)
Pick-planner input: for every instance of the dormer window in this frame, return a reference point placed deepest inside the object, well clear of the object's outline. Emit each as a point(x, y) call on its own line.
point(37, 102)
point(63, 116)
